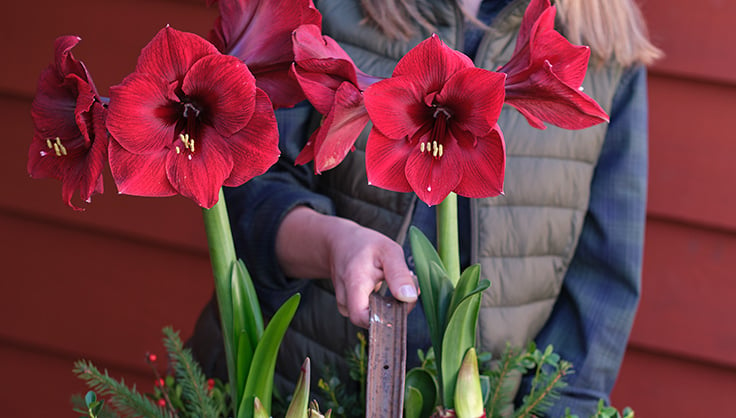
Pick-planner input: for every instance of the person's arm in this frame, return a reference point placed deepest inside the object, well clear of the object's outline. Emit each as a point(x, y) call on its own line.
point(592, 319)
point(285, 231)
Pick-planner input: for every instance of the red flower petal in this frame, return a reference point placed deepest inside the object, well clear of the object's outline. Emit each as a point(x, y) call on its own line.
point(226, 89)
point(259, 33)
point(200, 175)
point(340, 128)
point(171, 53)
point(140, 174)
point(532, 13)
point(476, 98)
point(319, 86)
point(483, 166)
point(545, 98)
point(385, 160)
point(396, 106)
point(431, 63)
point(142, 115)
point(432, 179)
point(256, 147)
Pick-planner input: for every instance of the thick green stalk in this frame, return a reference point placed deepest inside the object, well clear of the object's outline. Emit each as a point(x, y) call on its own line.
point(448, 244)
point(222, 259)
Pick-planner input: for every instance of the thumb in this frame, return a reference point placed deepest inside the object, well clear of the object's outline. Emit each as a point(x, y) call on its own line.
point(401, 281)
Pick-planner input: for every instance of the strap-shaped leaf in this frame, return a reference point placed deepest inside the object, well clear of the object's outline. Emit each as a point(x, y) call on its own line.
point(459, 337)
point(260, 377)
point(243, 360)
point(468, 285)
point(423, 253)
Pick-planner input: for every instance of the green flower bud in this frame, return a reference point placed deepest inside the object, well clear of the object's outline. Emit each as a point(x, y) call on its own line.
point(468, 395)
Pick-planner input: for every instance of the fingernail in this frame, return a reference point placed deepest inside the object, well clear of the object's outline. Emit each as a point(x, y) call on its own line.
point(408, 292)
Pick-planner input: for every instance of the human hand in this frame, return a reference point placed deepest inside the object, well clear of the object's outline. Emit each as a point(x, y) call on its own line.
point(357, 259)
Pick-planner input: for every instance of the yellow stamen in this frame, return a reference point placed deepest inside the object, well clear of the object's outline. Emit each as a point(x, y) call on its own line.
point(48, 143)
point(440, 150)
point(178, 150)
point(61, 147)
point(188, 142)
point(435, 149)
point(57, 150)
point(421, 147)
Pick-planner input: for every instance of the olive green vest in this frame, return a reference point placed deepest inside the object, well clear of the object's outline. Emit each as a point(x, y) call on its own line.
point(523, 240)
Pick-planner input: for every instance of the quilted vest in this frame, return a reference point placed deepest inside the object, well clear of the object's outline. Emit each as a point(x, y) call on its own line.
point(523, 240)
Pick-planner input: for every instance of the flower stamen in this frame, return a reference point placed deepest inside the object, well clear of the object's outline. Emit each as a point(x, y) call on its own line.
point(57, 146)
point(188, 142)
point(435, 148)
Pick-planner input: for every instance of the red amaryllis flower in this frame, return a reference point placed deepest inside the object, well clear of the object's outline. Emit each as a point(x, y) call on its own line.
point(69, 139)
point(334, 86)
point(188, 120)
point(259, 33)
point(546, 72)
point(435, 127)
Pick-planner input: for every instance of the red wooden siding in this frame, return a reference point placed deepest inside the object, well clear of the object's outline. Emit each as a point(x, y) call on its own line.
point(681, 360)
point(101, 284)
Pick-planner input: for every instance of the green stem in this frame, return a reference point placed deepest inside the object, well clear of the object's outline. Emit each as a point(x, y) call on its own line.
point(448, 245)
point(222, 259)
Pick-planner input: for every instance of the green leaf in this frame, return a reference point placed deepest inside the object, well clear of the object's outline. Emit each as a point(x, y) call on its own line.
point(468, 285)
point(260, 377)
point(421, 380)
point(243, 360)
point(90, 398)
point(413, 401)
point(459, 337)
point(246, 299)
point(423, 253)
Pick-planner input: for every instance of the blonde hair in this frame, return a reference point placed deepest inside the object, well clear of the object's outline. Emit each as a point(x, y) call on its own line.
point(614, 29)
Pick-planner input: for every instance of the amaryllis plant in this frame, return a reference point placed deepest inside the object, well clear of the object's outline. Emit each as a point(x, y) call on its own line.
point(188, 121)
point(435, 134)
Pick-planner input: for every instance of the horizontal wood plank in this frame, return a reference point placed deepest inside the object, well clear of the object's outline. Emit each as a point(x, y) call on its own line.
point(71, 291)
point(113, 33)
point(660, 386)
point(41, 384)
point(687, 305)
point(692, 148)
point(697, 41)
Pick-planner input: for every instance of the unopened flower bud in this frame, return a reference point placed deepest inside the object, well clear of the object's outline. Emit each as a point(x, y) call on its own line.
point(468, 394)
point(259, 411)
point(300, 400)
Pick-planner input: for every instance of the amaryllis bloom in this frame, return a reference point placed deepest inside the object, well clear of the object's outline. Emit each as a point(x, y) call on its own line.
point(69, 138)
point(435, 126)
point(259, 33)
point(546, 72)
point(188, 120)
point(334, 86)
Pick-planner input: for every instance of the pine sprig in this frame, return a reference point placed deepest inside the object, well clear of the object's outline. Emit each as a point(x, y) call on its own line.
point(504, 377)
point(547, 383)
point(189, 375)
point(126, 400)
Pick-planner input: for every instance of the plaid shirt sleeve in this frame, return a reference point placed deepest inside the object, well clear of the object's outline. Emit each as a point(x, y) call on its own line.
point(592, 319)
